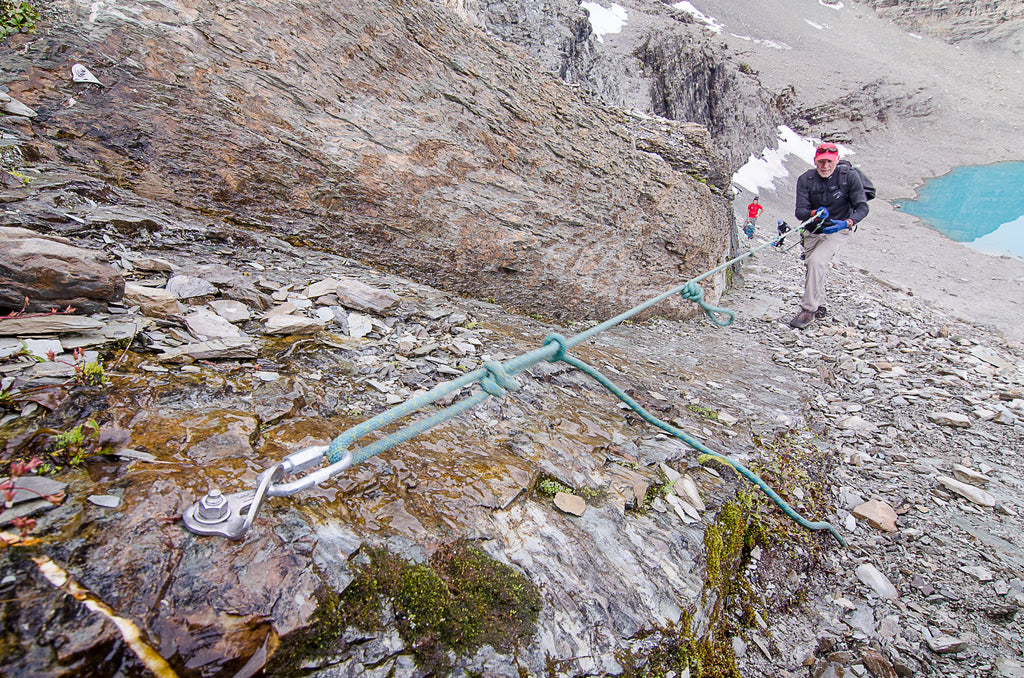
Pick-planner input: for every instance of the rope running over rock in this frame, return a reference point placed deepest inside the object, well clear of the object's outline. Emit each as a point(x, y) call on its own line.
point(497, 379)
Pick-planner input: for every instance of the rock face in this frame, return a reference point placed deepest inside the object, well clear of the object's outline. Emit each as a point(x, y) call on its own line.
point(422, 141)
point(52, 273)
point(661, 63)
point(982, 21)
point(395, 134)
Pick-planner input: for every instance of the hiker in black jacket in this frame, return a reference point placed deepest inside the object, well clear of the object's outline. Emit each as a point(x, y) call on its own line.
point(834, 195)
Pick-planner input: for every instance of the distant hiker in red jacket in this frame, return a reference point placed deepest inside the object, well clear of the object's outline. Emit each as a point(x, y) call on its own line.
point(753, 209)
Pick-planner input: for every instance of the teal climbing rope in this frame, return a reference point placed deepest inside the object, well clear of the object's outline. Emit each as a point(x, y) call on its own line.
point(689, 440)
point(496, 379)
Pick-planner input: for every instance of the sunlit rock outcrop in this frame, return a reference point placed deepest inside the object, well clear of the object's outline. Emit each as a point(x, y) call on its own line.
point(395, 134)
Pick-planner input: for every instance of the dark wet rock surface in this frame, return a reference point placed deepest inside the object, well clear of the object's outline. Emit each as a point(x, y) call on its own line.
point(865, 387)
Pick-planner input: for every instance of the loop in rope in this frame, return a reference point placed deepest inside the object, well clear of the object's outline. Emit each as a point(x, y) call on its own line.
point(695, 293)
point(563, 346)
point(497, 382)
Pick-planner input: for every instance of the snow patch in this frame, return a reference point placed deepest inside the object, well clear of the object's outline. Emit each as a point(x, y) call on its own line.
point(758, 41)
point(1005, 240)
point(710, 23)
point(605, 21)
point(761, 173)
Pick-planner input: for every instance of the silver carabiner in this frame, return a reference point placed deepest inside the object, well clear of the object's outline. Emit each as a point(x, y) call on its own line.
point(231, 515)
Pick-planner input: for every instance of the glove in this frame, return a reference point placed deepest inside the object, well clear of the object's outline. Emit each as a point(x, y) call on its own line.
point(821, 214)
point(836, 226)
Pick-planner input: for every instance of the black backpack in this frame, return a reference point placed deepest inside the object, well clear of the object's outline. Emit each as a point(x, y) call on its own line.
point(869, 188)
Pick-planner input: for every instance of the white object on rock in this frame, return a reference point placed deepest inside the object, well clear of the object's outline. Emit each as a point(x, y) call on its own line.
point(291, 324)
point(80, 73)
point(359, 325)
point(231, 310)
point(686, 488)
point(11, 105)
point(570, 503)
point(878, 582)
point(954, 419)
point(205, 324)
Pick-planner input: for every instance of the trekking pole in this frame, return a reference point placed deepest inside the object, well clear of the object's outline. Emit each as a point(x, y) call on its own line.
point(798, 231)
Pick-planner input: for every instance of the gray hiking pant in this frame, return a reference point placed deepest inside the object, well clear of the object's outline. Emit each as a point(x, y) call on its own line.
point(818, 251)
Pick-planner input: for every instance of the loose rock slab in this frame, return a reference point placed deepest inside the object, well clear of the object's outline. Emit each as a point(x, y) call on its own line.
point(975, 494)
point(570, 503)
point(878, 514)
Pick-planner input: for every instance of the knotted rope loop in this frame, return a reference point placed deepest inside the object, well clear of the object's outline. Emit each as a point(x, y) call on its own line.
point(497, 382)
point(336, 450)
point(695, 293)
point(692, 292)
point(563, 347)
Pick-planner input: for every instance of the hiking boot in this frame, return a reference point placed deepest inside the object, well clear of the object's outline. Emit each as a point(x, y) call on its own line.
point(821, 312)
point(802, 319)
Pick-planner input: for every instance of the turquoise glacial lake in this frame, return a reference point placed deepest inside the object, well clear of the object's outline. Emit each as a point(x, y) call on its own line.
point(981, 205)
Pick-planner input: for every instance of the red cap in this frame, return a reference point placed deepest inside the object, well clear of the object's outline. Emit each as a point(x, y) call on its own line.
point(826, 150)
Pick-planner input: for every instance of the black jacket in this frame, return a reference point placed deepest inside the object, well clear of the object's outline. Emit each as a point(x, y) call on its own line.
point(842, 194)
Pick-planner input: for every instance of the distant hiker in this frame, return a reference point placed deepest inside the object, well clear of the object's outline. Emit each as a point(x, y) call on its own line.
point(783, 230)
point(753, 209)
point(836, 200)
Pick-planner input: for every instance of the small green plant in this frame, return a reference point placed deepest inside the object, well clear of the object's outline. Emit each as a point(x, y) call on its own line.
point(550, 487)
point(87, 372)
point(702, 411)
point(23, 178)
point(747, 69)
point(17, 17)
point(77, 443)
point(90, 373)
point(655, 491)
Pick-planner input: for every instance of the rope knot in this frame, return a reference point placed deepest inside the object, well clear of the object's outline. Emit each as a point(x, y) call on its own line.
point(693, 292)
point(497, 382)
point(555, 338)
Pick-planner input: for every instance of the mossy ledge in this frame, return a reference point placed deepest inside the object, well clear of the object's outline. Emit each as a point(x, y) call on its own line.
point(707, 652)
point(458, 601)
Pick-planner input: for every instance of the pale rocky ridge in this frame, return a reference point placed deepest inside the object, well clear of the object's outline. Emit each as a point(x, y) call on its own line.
point(985, 23)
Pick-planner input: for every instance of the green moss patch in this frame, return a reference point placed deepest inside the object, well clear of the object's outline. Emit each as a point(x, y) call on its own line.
point(549, 487)
point(703, 411)
point(789, 460)
point(727, 543)
point(459, 601)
